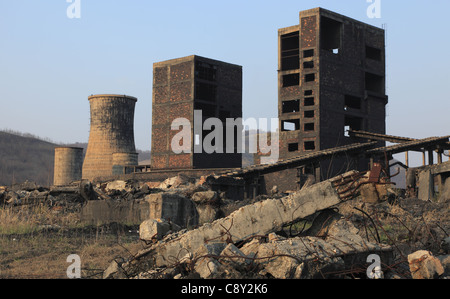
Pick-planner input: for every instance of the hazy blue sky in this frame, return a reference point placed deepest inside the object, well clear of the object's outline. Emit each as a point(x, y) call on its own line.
point(50, 64)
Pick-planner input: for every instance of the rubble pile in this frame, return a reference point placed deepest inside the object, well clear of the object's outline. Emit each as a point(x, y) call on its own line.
point(338, 228)
point(328, 230)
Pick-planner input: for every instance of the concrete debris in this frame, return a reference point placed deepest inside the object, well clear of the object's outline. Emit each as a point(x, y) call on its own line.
point(445, 262)
point(194, 229)
point(424, 265)
point(174, 207)
point(258, 219)
point(156, 229)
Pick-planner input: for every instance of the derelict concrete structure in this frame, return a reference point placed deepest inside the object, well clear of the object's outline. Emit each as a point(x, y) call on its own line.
point(111, 134)
point(331, 80)
point(68, 165)
point(182, 86)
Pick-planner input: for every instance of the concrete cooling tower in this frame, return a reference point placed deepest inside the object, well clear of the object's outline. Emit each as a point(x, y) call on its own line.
point(111, 132)
point(68, 165)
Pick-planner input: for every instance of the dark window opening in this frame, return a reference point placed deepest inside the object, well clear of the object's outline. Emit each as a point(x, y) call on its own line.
point(309, 102)
point(308, 64)
point(353, 124)
point(309, 169)
point(308, 53)
point(205, 71)
point(223, 115)
point(374, 83)
point(309, 127)
point(352, 102)
point(293, 147)
point(291, 106)
point(309, 114)
point(310, 77)
point(205, 92)
point(330, 38)
point(290, 51)
point(373, 53)
point(308, 93)
point(208, 110)
point(291, 80)
point(290, 125)
point(310, 145)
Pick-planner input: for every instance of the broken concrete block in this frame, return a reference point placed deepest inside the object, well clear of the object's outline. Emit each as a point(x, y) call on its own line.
point(232, 254)
point(204, 197)
point(373, 193)
point(210, 249)
point(423, 265)
point(174, 207)
point(174, 182)
point(156, 229)
point(445, 262)
point(426, 185)
point(116, 185)
point(208, 204)
point(208, 268)
point(260, 218)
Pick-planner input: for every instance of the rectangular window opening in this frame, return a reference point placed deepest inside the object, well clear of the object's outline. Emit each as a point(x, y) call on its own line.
point(291, 106)
point(308, 93)
point(291, 80)
point(290, 51)
point(309, 127)
point(309, 145)
point(208, 110)
point(308, 53)
point(309, 114)
point(310, 77)
point(293, 147)
point(331, 32)
point(353, 124)
point(352, 102)
point(308, 64)
point(205, 92)
point(205, 71)
point(309, 102)
point(373, 53)
point(290, 125)
point(374, 83)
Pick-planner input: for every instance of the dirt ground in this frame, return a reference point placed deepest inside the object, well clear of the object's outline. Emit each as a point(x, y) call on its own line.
point(406, 224)
point(43, 254)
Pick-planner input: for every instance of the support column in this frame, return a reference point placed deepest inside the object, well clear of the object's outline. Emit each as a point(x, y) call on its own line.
point(430, 157)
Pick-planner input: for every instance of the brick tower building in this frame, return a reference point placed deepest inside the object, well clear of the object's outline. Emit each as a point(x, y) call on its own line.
point(331, 79)
point(182, 86)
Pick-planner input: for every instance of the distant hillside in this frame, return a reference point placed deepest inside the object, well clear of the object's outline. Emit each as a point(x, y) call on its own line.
point(27, 157)
point(24, 158)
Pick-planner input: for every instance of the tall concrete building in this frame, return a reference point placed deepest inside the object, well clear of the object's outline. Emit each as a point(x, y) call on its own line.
point(331, 79)
point(181, 87)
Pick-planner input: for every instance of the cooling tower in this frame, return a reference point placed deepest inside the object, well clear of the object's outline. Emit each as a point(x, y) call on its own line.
point(68, 165)
point(121, 160)
point(112, 131)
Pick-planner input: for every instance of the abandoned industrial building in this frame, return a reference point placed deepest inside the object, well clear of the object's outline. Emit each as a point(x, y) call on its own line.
point(331, 79)
point(331, 108)
point(181, 86)
point(334, 195)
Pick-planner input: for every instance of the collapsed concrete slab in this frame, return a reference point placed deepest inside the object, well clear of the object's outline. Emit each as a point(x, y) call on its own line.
point(260, 218)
